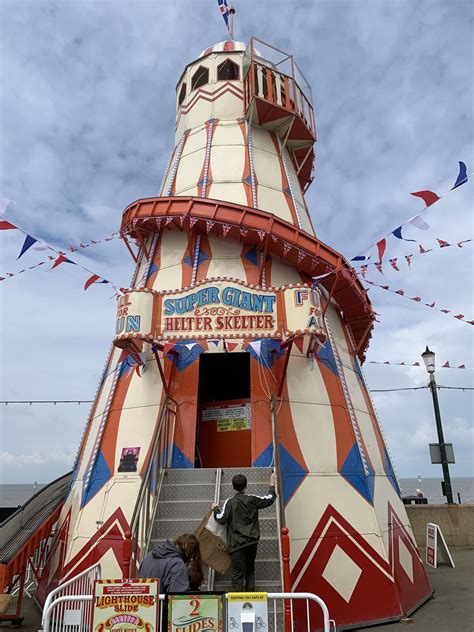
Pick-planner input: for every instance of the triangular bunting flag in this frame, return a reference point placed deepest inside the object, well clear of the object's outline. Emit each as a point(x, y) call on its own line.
point(415, 298)
point(459, 316)
point(232, 345)
point(256, 346)
point(442, 243)
point(4, 225)
point(29, 241)
point(378, 265)
point(398, 234)
point(214, 342)
point(428, 197)
point(462, 366)
point(381, 245)
point(462, 175)
point(61, 259)
point(167, 347)
point(408, 260)
point(393, 263)
point(94, 279)
point(446, 365)
point(363, 270)
point(419, 222)
point(190, 345)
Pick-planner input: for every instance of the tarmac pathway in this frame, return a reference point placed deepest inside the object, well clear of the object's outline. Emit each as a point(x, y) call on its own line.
point(450, 610)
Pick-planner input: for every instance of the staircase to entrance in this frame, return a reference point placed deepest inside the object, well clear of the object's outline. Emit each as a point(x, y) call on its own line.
point(186, 495)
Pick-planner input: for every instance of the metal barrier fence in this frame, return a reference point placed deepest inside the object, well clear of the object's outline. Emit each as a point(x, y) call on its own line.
point(74, 589)
point(73, 613)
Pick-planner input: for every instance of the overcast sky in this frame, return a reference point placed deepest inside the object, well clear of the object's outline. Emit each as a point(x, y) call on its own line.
point(87, 120)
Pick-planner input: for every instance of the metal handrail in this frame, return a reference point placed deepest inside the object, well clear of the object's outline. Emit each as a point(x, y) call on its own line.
point(211, 573)
point(141, 524)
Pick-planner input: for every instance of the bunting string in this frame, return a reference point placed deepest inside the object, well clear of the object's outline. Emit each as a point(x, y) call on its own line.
point(429, 198)
point(422, 251)
point(60, 255)
point(418, 299)
point(446, 365)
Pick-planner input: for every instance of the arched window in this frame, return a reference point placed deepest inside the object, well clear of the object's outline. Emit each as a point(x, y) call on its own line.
point(200, 78)
point(228, 71)
point(182, 94)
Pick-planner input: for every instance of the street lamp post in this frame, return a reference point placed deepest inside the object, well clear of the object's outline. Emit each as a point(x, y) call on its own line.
point(429, 360)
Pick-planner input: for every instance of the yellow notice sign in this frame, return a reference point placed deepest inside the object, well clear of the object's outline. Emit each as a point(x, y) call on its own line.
point(130, 604)
point(227, 425)
point(242, 596)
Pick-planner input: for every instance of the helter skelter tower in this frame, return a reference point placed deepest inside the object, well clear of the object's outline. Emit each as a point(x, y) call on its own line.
point(226, 355)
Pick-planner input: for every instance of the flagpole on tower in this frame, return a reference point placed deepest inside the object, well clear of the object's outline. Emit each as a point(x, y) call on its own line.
point(231, 22)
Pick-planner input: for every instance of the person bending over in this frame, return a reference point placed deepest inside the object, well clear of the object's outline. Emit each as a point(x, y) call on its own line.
point(240, 514)
point(176, 564)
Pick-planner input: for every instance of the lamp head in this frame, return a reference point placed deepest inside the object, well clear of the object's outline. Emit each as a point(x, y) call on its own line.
point(429, 360)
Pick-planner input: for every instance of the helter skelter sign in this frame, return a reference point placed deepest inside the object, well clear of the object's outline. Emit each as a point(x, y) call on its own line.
point(219, 308)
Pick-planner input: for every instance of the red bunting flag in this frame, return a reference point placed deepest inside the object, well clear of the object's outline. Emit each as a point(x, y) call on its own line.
point(363, 270)
point(416, 364)
point(91, 280)
point(393, 263)
point(462, 366)
point(408, 260)
point(445, 311)
point(430, 304)
point(428, 197)
point(415, 298)
point(168, 347)
point(401, 292)
point(61, 259)
point(423, 251)
point(381, 245)
point(446, 365)
point(4, 225)
point(231, 345)
point(379, 267)
point(442, 243)
point(459, 316)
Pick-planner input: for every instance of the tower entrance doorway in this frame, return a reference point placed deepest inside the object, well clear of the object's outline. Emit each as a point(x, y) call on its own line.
point(224, 412)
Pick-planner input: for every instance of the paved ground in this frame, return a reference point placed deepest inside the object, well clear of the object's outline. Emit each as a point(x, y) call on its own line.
point(450, 610)
point(452, 607)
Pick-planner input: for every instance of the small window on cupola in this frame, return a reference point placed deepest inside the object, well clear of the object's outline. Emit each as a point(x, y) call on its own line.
point(200, 78)
point(182, 94)
point(228, 71)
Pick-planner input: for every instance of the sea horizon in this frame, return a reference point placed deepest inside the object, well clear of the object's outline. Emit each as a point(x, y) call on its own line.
point(16, 494)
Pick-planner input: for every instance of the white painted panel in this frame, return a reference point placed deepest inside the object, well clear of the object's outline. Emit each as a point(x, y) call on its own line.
point(308, 504)
point(227, 163)
point(283, 274)
point(272, 200)
point(228, 106)
point(228, 192)
point(196, 140)
point(189, 171)
point(228, 133)
point(226, 259)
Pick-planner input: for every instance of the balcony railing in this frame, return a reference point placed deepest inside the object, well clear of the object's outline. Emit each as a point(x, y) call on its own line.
point(274, 77)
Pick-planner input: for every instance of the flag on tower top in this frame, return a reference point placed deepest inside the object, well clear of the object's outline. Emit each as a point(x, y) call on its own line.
point(224, 9)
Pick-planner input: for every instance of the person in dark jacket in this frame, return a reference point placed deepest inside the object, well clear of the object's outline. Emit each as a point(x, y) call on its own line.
point(170, 562)
point(240, 514)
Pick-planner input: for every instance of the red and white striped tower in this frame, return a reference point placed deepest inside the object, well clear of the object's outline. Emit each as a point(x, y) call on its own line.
point(225, 260)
